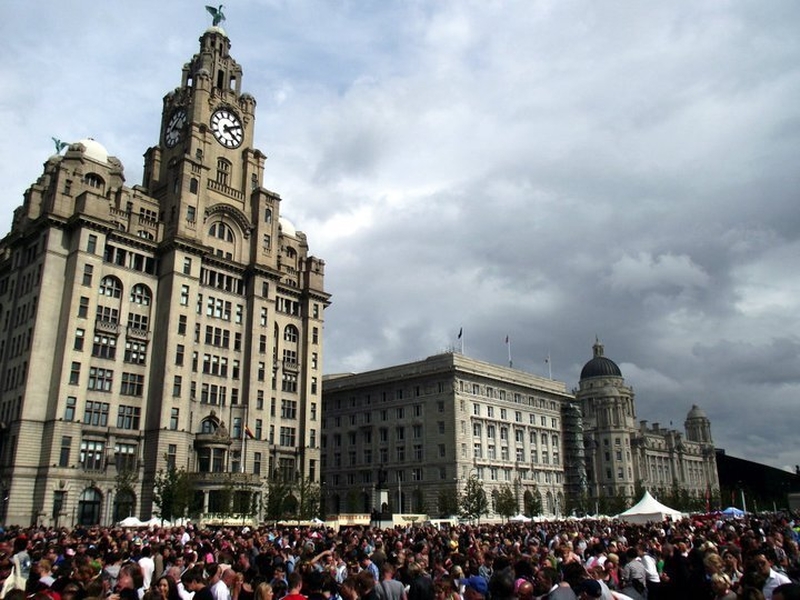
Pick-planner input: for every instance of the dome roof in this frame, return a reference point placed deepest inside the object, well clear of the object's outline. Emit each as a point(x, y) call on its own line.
point(696, 413)
point(287, 228)
point(94, 150)
point(600, 366)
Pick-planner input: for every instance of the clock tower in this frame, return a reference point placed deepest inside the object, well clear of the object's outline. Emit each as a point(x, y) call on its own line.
point(205, 161)
point(176, 327)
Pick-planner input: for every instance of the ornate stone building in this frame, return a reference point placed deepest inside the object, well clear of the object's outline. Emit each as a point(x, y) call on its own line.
point(623, 454)
point(420, 430)
point(173, 323)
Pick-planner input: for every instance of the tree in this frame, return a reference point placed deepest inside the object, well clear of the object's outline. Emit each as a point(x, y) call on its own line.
point(474, 502)
point(506, 502)
point(278, 490)
point(448, 502)
point(172, 492)
point(533, 502)
point(310, 495)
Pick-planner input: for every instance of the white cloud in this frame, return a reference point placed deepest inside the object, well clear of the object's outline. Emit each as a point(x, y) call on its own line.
point(549, 171)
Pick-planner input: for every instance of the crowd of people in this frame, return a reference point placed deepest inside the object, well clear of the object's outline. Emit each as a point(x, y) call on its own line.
point(753, 558)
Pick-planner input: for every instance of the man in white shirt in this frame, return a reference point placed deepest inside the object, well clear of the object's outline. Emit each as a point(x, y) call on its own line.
point(764, 560)
point(148, 566)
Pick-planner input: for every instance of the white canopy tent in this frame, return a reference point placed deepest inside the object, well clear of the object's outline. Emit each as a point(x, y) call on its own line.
point(649, 509)
point(520, 518)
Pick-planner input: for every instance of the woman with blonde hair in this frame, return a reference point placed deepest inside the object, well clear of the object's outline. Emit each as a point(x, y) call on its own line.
point(264, 591)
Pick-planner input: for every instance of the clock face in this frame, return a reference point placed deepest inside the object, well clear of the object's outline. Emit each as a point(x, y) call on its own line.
point(172, 133)
point(227, 128)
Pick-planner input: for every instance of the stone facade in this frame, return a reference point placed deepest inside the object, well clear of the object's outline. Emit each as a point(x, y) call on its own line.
point(406, 435)
point(421, 429)
point(176, 323)
point(625, 455)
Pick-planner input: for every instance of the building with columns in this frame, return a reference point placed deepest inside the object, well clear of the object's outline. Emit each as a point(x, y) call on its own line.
point(623, 454)
point(414, 433)
point(176, 323)
point(421, 429)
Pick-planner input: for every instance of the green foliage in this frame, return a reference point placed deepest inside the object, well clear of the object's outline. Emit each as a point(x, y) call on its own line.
point(448, 503)
point(310, 495)
point(278, 491)
point(533, 502)
point(506, 502)
point(474, 502)
point(172, 492)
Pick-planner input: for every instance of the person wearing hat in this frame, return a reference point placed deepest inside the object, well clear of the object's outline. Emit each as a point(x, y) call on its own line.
point(475, 588)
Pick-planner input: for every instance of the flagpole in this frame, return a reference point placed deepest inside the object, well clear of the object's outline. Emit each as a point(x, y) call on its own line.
point(244, 437)
point(508, 343)
point(549, 367)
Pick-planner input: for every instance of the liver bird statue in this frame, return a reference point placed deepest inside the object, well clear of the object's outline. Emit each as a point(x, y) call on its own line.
point(216, 13)
point(59, 145)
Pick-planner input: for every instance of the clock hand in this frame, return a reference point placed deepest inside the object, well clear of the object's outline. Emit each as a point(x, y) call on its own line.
point(227, 128)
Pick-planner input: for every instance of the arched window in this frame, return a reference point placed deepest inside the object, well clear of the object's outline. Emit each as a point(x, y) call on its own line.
point(93, 180)
point(208, 426)
point(221, 231)
point(290, 334)
point(89, 505)
point(268, 215)
point(223, 172)
point(110, 286)
point(544, 440)
point(140, 294)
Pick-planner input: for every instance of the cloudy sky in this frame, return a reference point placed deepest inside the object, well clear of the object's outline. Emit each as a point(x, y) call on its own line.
point(549, 170)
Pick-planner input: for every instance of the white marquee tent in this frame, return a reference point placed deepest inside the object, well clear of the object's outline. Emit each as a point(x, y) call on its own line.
point(649, 509)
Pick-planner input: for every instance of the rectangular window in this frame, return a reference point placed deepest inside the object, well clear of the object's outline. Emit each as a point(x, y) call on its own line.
point(125, 457)
point(92, 455)
point(104, 346)
point(257, 463)
point(66, 446)
point(135, 352)
point(172, 456)
point(87, 275)
point(91, 244)
point(177, 385)
point(288, 436)
point(174, 413)
point(182, 325)
point(132, 384)
point(83, 307)
point(289, 382)
point(75, 373)
point(179, 353)
point(184, 295)
point(96, 413)
point(80, 336)
point(128, 417)
point(69, 410)
point(288, 409)
point(187, 267)
point(100, 380)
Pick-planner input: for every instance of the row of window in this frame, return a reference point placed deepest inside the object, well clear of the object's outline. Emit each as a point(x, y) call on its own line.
point(96, 414)
point(92, 455)
point(519, 454)
point(518, 416)
point(519, 435)
point(102, 380)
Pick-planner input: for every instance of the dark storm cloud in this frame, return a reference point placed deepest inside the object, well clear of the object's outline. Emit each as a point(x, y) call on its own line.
point(549, 171)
